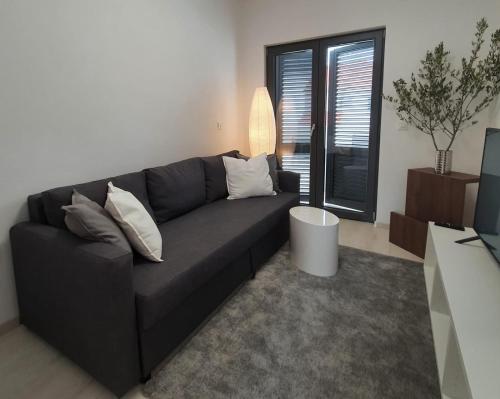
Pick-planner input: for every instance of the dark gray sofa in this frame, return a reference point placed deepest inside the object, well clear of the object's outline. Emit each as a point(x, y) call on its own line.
point(118, 315)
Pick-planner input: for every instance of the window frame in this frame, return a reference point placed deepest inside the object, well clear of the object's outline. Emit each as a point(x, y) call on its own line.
point(318, 116)
point(272, 52)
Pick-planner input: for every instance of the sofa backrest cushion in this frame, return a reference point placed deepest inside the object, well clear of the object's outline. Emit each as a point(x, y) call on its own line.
point(176, 188)
point(215, 176)
point(35, 209)
point(96, 191)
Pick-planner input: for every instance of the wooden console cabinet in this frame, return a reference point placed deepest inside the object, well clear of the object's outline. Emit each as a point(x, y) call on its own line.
point(429, 197)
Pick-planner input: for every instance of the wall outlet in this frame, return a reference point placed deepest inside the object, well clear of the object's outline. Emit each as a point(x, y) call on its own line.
point(403, 127)
point(219, 125)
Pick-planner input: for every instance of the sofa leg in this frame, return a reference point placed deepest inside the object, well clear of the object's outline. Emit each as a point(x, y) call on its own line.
point(143, 380)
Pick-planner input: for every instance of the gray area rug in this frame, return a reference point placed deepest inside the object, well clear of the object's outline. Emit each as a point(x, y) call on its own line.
point(364, 333)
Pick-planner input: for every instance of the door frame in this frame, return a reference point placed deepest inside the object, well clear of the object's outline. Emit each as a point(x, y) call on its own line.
point(378, 36)
point(272, 52)
point(319, 47)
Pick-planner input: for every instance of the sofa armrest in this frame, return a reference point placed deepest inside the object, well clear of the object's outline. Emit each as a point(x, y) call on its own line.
point(78, 295)
point(289, 181)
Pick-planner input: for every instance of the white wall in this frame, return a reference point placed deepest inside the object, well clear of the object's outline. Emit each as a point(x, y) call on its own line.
point(495, 115)
point(412, 28)
point(95, 88)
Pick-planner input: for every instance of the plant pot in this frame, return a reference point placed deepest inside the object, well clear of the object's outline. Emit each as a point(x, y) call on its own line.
point(443, 162)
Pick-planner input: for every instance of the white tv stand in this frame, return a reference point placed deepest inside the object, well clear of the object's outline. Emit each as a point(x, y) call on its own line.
point(463, 290)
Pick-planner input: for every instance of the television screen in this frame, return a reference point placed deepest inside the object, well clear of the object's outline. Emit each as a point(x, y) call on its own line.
point(487, 220)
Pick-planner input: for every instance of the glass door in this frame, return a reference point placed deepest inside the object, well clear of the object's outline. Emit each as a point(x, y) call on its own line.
point(292, 82)
point(327, 94)
point(350, 86)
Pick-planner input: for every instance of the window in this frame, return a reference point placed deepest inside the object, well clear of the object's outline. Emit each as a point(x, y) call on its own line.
point(327, 96)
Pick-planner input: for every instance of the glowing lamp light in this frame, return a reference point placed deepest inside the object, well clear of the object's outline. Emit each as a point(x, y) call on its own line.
point(262, 125)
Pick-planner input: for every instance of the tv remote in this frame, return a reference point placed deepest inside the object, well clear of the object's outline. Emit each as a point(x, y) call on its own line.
point(450, 226)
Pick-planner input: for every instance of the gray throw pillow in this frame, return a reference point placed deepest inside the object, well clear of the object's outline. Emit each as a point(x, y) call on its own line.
point(87, 219)
point(272, 161)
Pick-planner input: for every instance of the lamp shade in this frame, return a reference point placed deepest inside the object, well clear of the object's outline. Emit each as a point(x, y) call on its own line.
point(262, 125)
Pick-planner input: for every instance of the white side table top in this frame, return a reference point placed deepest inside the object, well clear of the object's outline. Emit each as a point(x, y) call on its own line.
point(316, 216)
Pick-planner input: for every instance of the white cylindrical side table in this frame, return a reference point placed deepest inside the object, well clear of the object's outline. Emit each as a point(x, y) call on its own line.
point(314, 240)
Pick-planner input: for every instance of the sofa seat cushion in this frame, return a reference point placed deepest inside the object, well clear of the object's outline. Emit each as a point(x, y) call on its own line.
point(96, 191)
point(200, 244)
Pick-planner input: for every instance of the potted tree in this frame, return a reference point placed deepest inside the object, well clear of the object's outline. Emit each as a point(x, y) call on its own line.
point(441, 99)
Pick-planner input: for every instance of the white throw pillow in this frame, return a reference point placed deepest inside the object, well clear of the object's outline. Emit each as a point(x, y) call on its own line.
point(248, 178)
point(135, 221)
